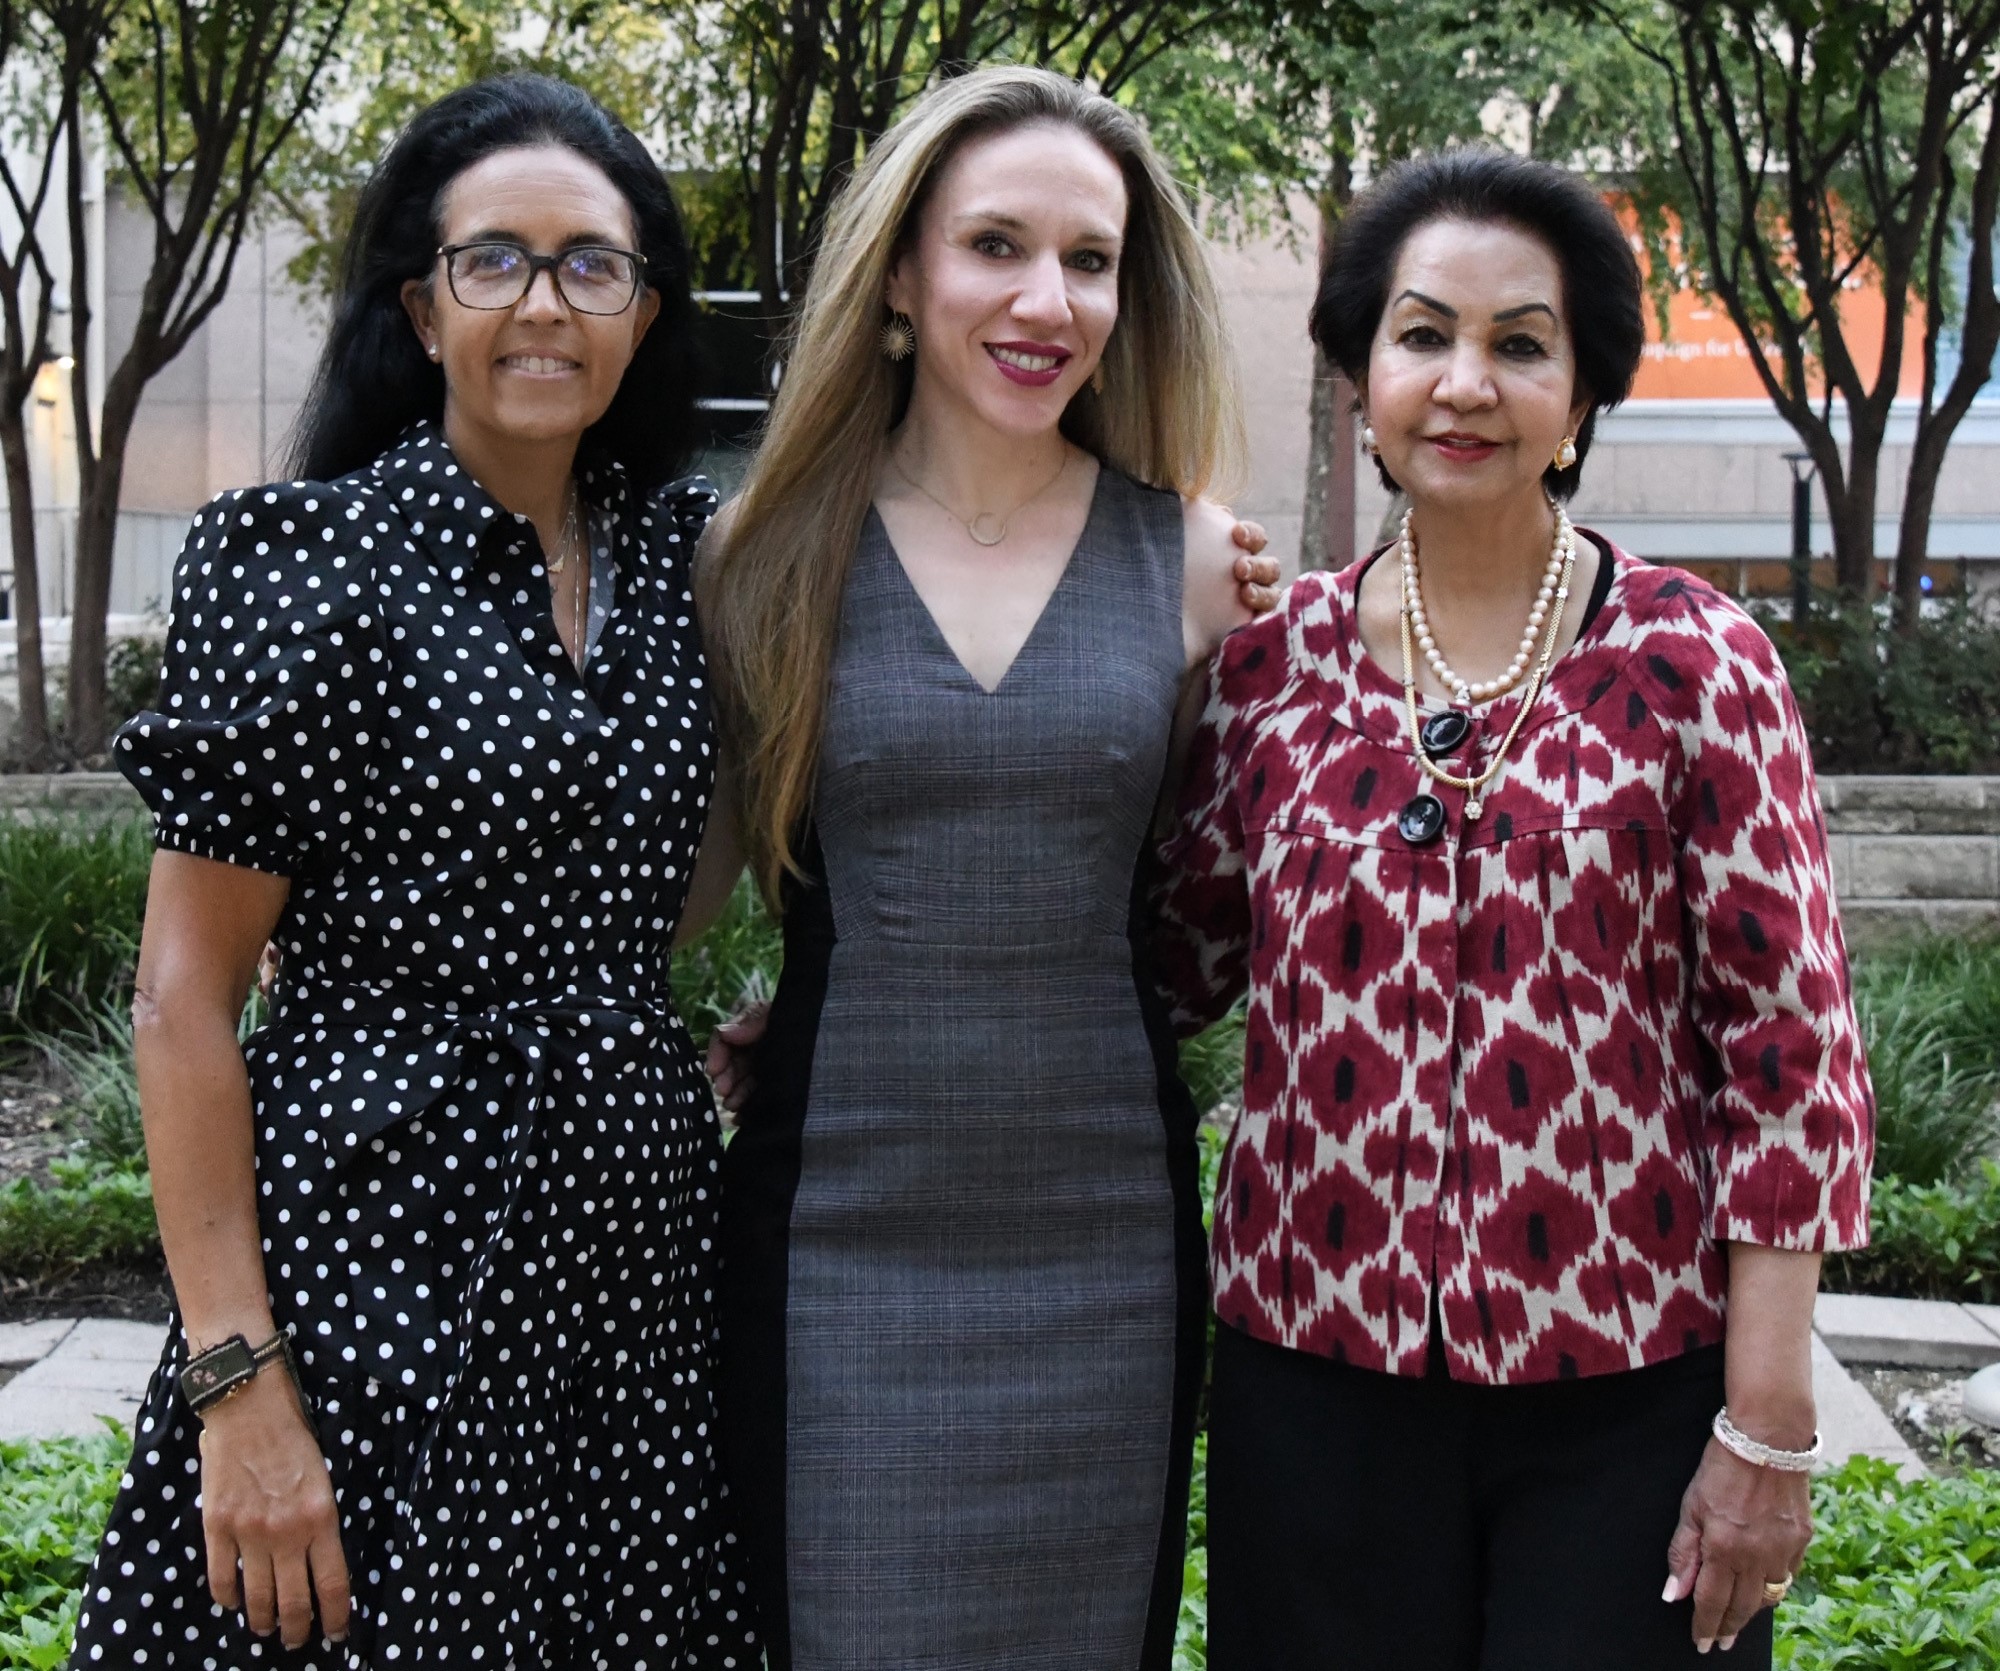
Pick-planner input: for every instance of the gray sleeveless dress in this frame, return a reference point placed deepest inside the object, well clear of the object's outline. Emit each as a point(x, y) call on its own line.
point(963, 1297)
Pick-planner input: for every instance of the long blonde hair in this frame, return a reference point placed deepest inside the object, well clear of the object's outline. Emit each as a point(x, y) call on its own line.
point(777, 564)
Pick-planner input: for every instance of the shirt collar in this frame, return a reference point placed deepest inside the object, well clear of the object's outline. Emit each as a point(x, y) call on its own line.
point(457, 518)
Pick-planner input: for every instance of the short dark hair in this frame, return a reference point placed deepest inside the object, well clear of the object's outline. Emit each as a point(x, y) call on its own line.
point(374, 379)
point(1601, 286)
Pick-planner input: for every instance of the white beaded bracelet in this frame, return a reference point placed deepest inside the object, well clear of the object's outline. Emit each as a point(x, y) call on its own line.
point(1738, 1443)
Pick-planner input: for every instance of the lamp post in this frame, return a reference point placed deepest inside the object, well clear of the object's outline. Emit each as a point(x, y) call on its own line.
point(1802, 480)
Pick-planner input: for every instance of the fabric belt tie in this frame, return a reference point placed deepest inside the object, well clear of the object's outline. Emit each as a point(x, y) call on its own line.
point(435, 1047)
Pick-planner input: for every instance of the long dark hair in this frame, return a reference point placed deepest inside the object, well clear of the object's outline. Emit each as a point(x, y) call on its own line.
point(374, 379)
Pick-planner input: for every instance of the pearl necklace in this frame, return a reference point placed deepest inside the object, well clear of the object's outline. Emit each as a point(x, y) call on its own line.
point(1562, 549)
point(1474, 788)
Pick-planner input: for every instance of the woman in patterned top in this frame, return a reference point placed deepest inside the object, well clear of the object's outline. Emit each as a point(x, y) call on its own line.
point(1553, 1094)
point(434, 718)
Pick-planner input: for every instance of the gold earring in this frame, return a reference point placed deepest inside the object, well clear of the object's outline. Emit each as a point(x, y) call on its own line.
point(1097, 378)
point(899, 338)
point(1565, 453)
point(1368, 440)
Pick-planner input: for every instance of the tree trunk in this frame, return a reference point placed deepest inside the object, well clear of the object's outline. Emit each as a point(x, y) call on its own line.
point(1313, 553)
point(90, 608)
point(1850, 513)
point(1913, 530)
point(32, 743)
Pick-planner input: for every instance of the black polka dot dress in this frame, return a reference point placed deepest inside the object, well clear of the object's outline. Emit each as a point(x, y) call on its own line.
point(486, 1153)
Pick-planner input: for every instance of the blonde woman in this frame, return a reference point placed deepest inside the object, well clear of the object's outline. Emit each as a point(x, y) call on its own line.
point(952, 614)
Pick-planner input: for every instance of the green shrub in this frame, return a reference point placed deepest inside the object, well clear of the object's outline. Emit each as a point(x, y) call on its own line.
point(101, 1092)
point(1876, 701)
point(1212, 1062)
point(1901, 1576)
point(1928, 1241)
point(55, 1495)
point(736, 962)
point(84, 1217)
point(1933, 1103)
point(72, 898)
point(132, 677)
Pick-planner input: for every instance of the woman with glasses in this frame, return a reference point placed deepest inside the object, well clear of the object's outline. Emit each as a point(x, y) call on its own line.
point(434, 719)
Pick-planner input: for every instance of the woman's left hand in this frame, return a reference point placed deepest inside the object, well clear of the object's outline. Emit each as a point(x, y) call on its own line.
point(1256, 574)
point(1742, 1527)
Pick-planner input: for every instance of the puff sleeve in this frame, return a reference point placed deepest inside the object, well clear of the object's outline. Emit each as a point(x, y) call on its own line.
point(274, 682)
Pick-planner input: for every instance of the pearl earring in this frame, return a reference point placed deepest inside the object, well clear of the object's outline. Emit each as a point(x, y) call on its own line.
point(434, 350)
point(1368, 439)
point(1565, 453)
point(899, 338)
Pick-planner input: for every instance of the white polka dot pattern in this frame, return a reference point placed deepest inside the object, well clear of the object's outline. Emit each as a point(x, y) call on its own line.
point(485, 1150)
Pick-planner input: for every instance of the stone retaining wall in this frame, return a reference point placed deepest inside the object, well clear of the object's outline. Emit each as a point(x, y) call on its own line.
point(1907, 851)
point(1914, 850)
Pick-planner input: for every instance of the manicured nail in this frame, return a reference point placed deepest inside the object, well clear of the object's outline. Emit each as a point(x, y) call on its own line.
point(1704, 1644)
point(1727, 1643)
point(1668, 1593)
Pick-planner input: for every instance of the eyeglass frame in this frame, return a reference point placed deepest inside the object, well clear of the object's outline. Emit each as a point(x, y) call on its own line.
point(537, 265)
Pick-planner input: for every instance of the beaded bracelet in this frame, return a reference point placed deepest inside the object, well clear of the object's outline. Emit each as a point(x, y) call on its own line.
point(1738, 1443)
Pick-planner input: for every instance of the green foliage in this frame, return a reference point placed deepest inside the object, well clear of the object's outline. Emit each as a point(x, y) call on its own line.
point(72, 897)
point(102, 1092)
point(132, 677)
point(1923, 701)
point(86, 1216)
point(1928, 1241)
point(1212, 1061)
point(55, 1495)
point(1930, 1017)
point(1191, 1628)
point(1901, 1576)
point(736, 962)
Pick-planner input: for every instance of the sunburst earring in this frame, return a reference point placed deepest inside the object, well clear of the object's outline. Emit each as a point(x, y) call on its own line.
point(1368, 439)
point(899, 338)
point(1565, 453)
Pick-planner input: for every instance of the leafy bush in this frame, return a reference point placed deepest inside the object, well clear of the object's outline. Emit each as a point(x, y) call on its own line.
point(55, 1495)
point(1928, 1241)
point(86, 1216)
point(102, 1091)
point(72, 898)
point(1901, 1576)
point(1877, 701)
point(1934, 1115)
point(735, 963)
point(132, 677)
point(1212, 1061)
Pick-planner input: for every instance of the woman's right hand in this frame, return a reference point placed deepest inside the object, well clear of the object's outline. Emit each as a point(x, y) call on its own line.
point(730, 1049)
point(269, 1517)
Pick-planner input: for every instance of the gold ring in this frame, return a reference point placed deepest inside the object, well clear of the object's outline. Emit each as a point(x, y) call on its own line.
point(1775, 1593)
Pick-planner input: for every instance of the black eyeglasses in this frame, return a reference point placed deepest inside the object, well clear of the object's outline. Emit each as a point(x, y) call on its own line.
point(592, 278)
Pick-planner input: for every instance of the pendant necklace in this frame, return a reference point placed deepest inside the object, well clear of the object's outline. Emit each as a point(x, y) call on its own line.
point(1553, 599)
point(988, 528)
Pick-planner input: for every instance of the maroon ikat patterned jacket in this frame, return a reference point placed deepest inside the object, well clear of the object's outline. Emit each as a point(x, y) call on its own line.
point(1552, 1058)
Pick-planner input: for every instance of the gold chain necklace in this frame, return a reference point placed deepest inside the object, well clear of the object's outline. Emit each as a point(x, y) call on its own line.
point(985, 519)
point(1475, 787)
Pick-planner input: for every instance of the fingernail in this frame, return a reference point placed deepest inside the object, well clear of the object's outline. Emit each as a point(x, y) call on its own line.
point(1727, 1643)
point(1668, 1593)
point(1704, 1644)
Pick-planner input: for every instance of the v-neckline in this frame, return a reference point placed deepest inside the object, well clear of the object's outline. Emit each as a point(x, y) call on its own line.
point(943, 638)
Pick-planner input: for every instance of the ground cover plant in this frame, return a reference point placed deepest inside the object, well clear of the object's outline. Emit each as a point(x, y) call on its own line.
point(72, 895)
point(54, 1497)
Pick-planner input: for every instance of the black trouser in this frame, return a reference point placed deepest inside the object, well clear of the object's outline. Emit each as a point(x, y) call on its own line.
point(1367, 1522)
